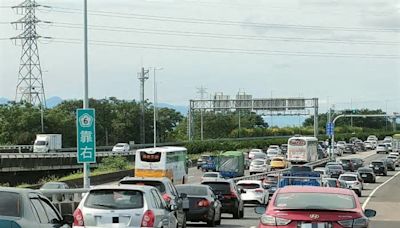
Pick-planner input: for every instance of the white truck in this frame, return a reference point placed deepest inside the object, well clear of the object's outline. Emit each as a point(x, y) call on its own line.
point(45, 143)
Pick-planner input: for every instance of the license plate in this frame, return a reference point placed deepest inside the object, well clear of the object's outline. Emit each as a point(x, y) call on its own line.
point(364, 175)
point(315, 225)
point(376, 168)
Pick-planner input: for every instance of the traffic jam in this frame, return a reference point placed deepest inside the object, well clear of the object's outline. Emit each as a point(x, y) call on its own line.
point(283, 185)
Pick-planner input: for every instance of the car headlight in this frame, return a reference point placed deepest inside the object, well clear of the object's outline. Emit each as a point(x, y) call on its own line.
point(274, 221)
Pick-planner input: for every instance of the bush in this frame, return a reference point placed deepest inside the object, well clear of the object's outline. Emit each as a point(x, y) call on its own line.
point(114, 163)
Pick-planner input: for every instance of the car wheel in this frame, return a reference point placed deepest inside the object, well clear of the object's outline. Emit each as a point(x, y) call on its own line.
point(384, 174)
point(236, 213)
point(359, 193)
point(241, 213)
point(211, 223)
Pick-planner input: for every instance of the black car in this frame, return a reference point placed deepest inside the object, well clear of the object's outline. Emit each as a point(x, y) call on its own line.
point(349, 148)
point(357, 163)
point(168, 192)
point(348, 164)
point(335, 170)
point(379, 167)
point(367, 174)
point(300, 168)
point(390, 164)
point(204, 205)
point(231, 200)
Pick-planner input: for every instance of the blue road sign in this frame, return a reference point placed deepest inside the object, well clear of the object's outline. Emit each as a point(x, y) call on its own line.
point(329, 128)
point(86, 135)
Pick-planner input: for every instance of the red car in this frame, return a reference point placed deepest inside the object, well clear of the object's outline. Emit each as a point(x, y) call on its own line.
point(309, 207)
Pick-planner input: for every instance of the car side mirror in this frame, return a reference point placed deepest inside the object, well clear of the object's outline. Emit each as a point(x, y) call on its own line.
point(183, 195)
point(369, 213)
point(260, 210)
point(68, 219)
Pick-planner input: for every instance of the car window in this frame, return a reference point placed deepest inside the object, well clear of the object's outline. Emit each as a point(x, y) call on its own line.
point(172, 189)
point(314, 201)
point(249, 185)
point(50, 211)
point(156, 199)
point(377, 163)
point(192, 190)
point(157, 184)
point(9, 202)
point(348, 178)
point(257, 162)
point(40, 211)
point(114, 199)
point(210, 175)
point(219, 187)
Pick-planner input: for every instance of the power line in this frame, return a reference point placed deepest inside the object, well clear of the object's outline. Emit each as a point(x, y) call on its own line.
point(223, 36)
point(226, 50)
point(221, 22)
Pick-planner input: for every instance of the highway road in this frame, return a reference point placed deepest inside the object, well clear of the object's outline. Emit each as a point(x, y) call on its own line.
point(383, 196)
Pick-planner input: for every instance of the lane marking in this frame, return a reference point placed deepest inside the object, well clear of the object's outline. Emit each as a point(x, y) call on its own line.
point(376, 189)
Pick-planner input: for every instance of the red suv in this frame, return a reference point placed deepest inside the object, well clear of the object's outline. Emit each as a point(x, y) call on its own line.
point(301, 206)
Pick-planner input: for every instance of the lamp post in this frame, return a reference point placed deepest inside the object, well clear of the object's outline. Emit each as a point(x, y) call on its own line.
point(155, 106)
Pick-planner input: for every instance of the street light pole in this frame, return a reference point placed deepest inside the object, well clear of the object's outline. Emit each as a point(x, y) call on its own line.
point(86, 165)
point(155, 107)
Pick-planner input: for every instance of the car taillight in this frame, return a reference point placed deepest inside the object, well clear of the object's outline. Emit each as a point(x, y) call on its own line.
point(274, 221)
point(78, 218)
point(259, 190)
point(354, 223)
point(233, 195)
point(148, 219)
point(203, 203)
point(166, 197)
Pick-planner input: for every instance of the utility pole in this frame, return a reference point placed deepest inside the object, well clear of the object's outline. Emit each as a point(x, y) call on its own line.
point(30, 88)
point(351, 108)
point(155, 107)
point(202, 91)
point(143, 76)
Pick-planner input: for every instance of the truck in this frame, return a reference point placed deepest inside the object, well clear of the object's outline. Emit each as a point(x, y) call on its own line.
point(231, 164)
point(300, 175)
point(45, 143)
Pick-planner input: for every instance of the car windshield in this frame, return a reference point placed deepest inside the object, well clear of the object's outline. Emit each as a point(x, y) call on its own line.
point(271, 152)
point(51, 186)
point(377, 163)
point(259, 155)
point(40, 143)
point(319, 201)
point(382, 145)
point(348, 178)
point(219, 187)
point(10, 204)
point(157, 184)
point(192, 190)
point(257, 162)
point(248, 185)
point(210, 175)
point(345, 162)
point(119, 145)
point(114, 199)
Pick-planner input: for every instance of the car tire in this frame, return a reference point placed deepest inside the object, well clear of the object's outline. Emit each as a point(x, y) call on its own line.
point(385, 174)
point(241, 213)
point(211, 223)
point(218, 222)
point(236, 213)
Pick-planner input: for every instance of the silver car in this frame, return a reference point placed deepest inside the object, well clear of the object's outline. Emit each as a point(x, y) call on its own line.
point(124, 206)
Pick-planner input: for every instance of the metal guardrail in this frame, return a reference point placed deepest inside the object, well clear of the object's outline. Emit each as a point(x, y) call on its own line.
point(261, 176)
point(17, 148)
point(65, 200)
point(61, 154)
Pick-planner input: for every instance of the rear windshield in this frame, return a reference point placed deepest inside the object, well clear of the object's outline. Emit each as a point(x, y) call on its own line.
point(157, 184)
point(345, 161)
point(319, 201)
point(382, 145)
point(392, 157)
point(9, 204)
point(210, 175)
point(114, 199)
point(300, 169)
point(219, 187)
point(334, 167)
point(348, 178)
point(259, 155)
point(377, 163)
point(192, 190)
point(365, 171)
point(258, 162)
point(277, 159)
point(249, 186)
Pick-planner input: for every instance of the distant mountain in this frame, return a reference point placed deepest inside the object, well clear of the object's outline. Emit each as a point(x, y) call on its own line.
point(3, 100)
point(181, 109)
point(53, 102)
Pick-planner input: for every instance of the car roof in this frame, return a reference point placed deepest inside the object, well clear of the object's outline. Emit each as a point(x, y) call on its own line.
point(192, 185)
point(124, 187)
point(314, 189)
point(349, 174)
point(218, 180)
point(161, 179)
point(278, 157)
point(249, 182)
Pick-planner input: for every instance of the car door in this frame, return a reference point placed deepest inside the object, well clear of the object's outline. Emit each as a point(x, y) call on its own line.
point(162, 214)
point(45, 213)
point(180, 214)
point(216, 204)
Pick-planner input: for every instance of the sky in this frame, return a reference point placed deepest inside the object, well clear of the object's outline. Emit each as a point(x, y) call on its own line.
point(346, 53)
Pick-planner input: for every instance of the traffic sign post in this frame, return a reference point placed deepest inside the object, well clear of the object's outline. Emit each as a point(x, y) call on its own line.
point(86, 135)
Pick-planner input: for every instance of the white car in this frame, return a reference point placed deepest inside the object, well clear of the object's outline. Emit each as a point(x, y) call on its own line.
point(121, 147)
point(253, 152)
point(382, 148)
point(259, 166)
point(397, 154)
point(369, 145)
point(275, 147)
point(353, 181)
point(253, 192)
point(323, 172)
point(211, 176)
point(395, 159)
point(124, 206)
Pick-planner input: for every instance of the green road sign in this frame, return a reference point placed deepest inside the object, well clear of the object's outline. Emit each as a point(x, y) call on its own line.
point(86, 136)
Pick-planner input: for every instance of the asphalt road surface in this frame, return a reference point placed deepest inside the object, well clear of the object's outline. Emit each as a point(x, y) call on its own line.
point(385, 200)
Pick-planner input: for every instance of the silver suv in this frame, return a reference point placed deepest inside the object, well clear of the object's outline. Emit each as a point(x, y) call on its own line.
point(125, 206)
point(353, 181)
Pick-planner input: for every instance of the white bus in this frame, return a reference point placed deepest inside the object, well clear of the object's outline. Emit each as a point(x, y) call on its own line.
point(302, 149)
point(162, 162)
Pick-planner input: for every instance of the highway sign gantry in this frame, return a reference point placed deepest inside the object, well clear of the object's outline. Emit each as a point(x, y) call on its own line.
point(86, 135)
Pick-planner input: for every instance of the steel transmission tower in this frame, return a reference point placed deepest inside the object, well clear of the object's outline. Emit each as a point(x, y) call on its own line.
point(30, 87)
